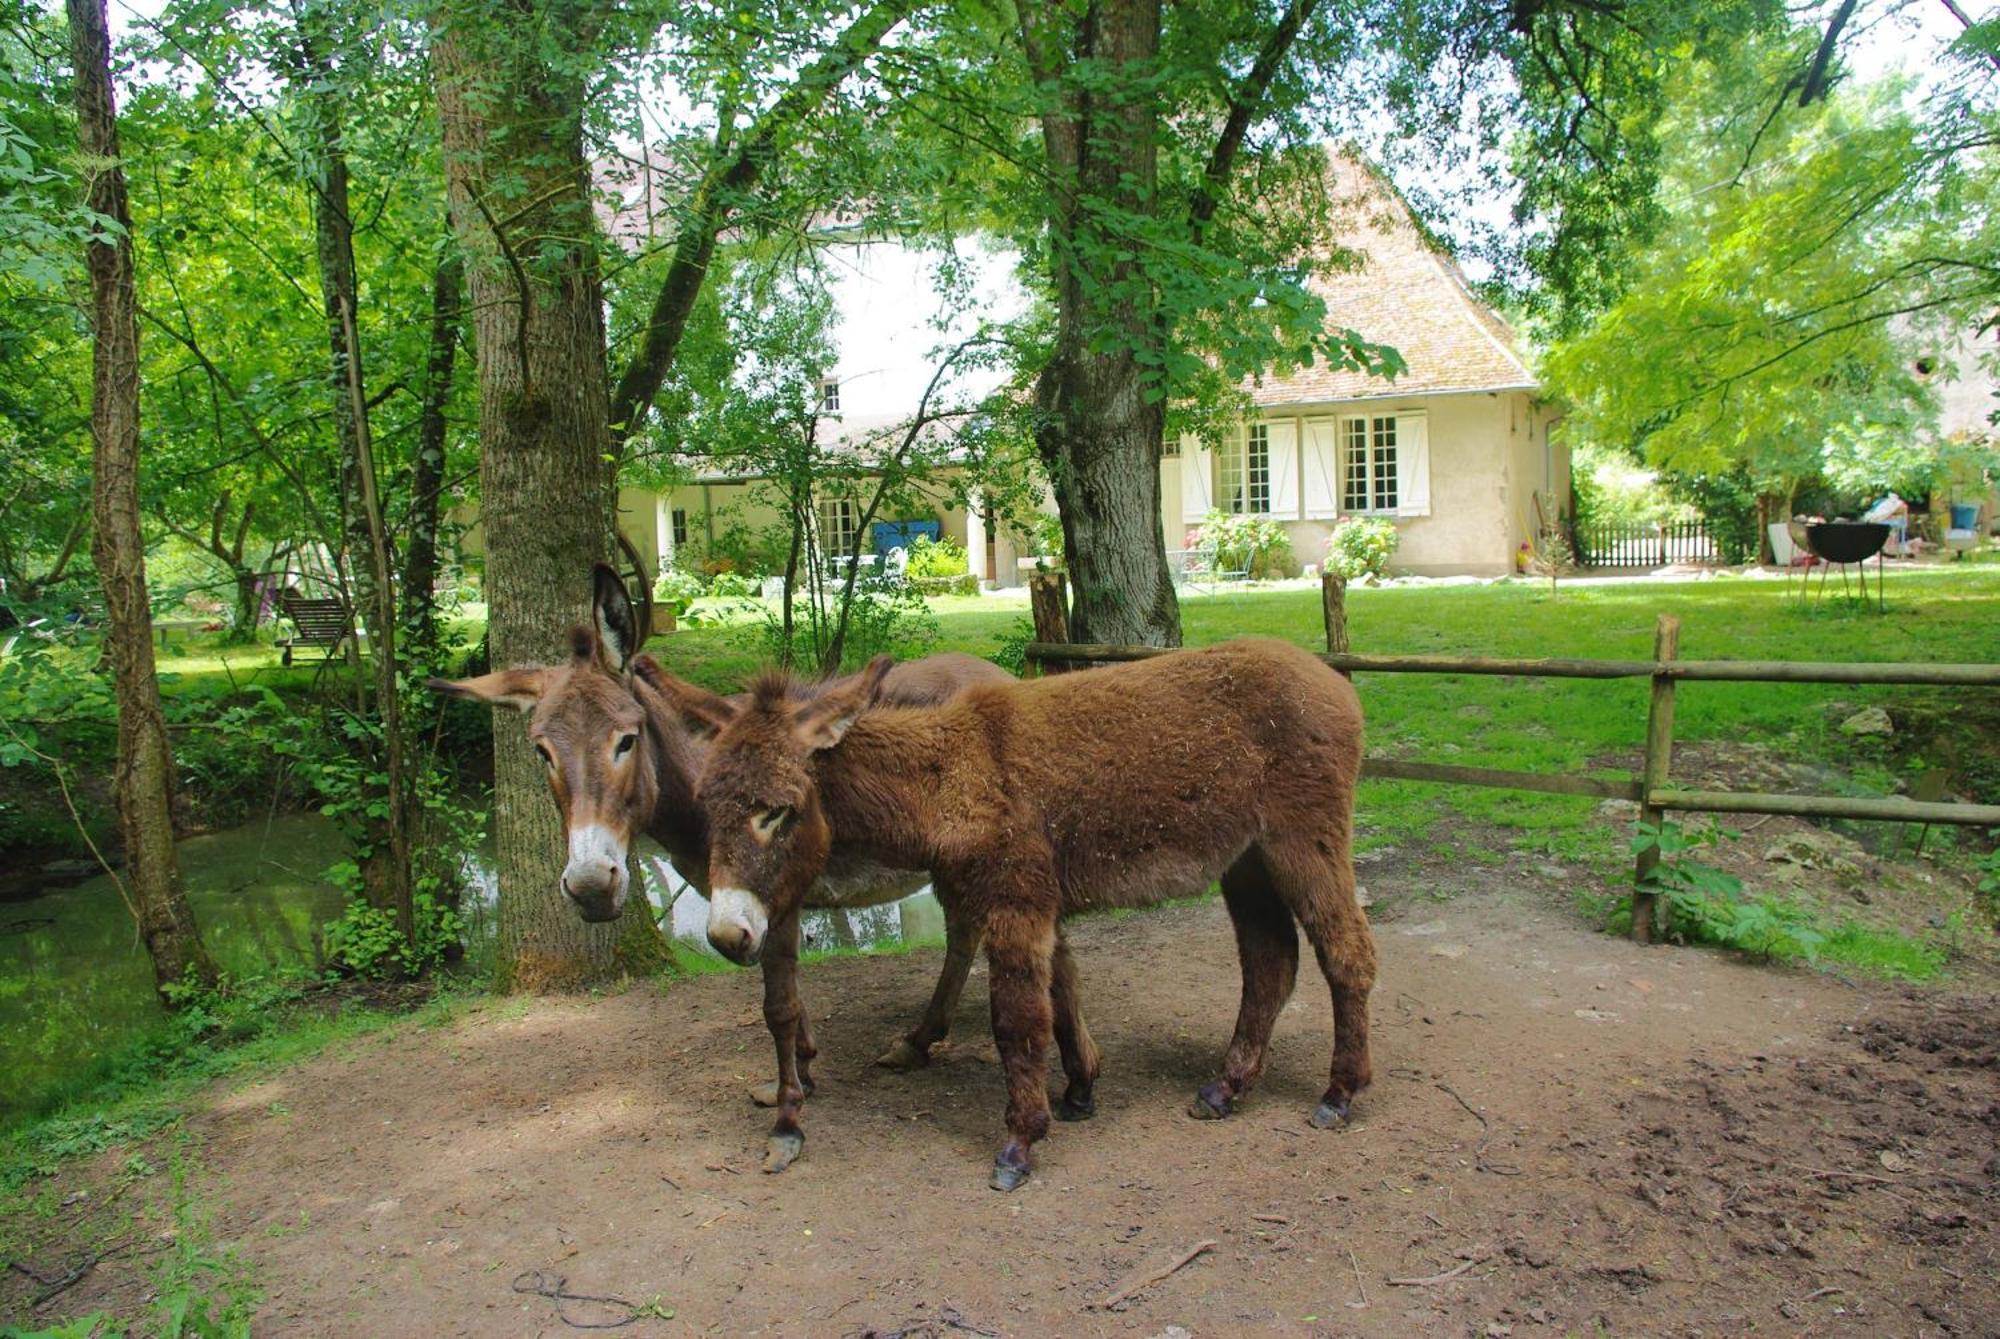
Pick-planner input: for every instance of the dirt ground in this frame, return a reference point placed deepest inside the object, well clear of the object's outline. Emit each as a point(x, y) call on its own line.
point(1567, 1135)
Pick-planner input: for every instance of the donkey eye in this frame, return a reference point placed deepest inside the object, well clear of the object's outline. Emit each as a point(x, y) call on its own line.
point(547, 757)
point(771, 822)
point(625, 745)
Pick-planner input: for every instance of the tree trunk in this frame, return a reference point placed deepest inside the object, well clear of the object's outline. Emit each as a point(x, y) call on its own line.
point(420, 559)
point(514, 169)
point(144, 779)
point(1099, 417)
point(384, 849)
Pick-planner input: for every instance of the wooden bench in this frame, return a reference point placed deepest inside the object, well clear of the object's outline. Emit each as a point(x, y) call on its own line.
point(324, 623)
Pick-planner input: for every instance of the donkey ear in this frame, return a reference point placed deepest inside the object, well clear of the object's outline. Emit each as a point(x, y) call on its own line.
point(823, 722)
point(700, 708)
point(611, 612)
point(517, 688)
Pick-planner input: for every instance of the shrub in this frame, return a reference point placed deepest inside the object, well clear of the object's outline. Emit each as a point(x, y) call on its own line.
point(1254, 544)
point(735, 584)
point(676, 590)
point(937, 558)
point(1361, 547)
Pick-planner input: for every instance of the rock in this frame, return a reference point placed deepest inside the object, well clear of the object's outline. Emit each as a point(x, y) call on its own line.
point(1174, 1332)
point(1453, 951)
point(1361, 895)
point(1557, 872)
point(1868, 721)
point(1596, 1015)
point(1817, 850)
point(1618, 811)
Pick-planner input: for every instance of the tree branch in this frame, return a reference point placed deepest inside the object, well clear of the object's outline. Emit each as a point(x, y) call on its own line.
point(713, 200)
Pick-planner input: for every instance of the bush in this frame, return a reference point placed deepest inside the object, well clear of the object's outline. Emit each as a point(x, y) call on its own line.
point(937, 558)
point(1361, 547)
point(963, 584)
point(676, 590)
point(1254, 544)
point(734, 584)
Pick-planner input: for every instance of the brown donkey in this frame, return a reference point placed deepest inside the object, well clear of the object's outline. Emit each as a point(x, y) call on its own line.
point(621, 761)
point(1031, 800)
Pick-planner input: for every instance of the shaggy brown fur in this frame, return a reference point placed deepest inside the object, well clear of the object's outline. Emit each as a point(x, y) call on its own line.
point(1032, 800)
point(621, 759)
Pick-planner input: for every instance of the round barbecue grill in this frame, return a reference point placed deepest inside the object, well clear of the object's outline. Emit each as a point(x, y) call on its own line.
point(1849, 543)
point(1846, 541)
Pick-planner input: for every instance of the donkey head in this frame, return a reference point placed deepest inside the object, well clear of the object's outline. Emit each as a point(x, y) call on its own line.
point(590, 733)
point(768, 835)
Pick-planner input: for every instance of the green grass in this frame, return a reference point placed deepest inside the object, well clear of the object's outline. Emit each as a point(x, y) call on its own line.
point(1882, 953)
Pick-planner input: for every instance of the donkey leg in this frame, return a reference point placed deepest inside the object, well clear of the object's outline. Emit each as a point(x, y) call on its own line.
point(961, 945)
point(785, 1016)
point(1315, 877)
point(1267, 946)
point(1020, 944)
point(1080, 1060)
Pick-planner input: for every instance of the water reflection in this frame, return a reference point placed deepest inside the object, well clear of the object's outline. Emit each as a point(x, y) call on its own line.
point(75, 983)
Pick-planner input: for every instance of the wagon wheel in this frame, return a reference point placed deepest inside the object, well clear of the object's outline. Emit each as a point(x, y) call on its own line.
point(638, 587)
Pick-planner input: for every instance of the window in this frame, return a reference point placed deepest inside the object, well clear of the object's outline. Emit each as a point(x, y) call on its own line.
point(1243, 473)
point(1170, 448)
point(829, 395)
point(1368, 464)
point(680, 527)
point(839, 521)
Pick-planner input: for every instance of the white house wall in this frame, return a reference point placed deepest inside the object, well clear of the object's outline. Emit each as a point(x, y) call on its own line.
point(1488, 453)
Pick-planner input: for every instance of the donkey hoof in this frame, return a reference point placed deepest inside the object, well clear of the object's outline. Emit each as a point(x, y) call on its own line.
point(765, 1094)
point(903, 1055)
point(1211, 1103)
point(1330, 1116)
point(783, 1151)
point(1076, 1108)
point(1007, 1174)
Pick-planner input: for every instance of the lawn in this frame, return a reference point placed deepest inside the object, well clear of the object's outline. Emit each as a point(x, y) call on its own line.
point(1551, 725)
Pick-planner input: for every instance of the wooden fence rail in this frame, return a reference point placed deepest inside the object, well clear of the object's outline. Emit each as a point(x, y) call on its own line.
point(1652, 789)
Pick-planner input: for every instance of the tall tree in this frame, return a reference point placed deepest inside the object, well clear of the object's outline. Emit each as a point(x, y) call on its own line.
point(511, 98)
point(145, 776)
point(385, 850)
point(1102, 74)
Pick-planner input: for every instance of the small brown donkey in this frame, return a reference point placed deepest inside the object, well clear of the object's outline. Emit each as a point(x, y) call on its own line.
point(1031, 800)
point(621, 761)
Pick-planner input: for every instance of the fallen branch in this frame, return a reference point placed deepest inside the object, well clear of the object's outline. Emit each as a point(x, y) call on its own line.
point(1146, 1281)
point(1357, 1275)
point(1432, 1280)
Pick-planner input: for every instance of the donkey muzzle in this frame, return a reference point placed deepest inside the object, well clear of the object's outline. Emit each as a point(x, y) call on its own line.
point(737, 924)
point(595, 879)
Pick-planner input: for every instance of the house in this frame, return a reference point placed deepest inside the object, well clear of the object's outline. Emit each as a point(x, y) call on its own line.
point(1453, 452)
point(1457, 451)
point(894, 329)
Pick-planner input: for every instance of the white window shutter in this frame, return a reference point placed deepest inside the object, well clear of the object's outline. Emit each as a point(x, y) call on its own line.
point(1321, 470)
point(1283, 438)
point(1413, 465)
point(1197, 481)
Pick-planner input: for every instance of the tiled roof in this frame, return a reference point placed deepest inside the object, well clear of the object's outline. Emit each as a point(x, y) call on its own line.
point(1406, 295)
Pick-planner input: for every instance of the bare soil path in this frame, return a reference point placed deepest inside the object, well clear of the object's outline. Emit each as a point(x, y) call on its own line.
point(1567, 1135)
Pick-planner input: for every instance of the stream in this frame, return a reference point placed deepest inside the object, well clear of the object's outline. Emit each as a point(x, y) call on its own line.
point(75, 983)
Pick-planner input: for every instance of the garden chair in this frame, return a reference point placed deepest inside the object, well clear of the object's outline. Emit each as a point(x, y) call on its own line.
point(325, 623)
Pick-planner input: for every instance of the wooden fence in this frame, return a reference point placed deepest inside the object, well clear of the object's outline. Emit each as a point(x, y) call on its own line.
point(1652, 790)
point(1606, 544)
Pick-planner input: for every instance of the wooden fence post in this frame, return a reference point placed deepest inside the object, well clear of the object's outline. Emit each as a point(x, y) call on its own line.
point(1659, 757)
point(1333, 604)
point(1048, 593)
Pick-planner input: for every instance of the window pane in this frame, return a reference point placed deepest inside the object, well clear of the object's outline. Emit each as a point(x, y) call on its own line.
point(1257, 466)
point(1354, 461)
point(1229, 476)
point(680, 526)
point(1385, 464)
